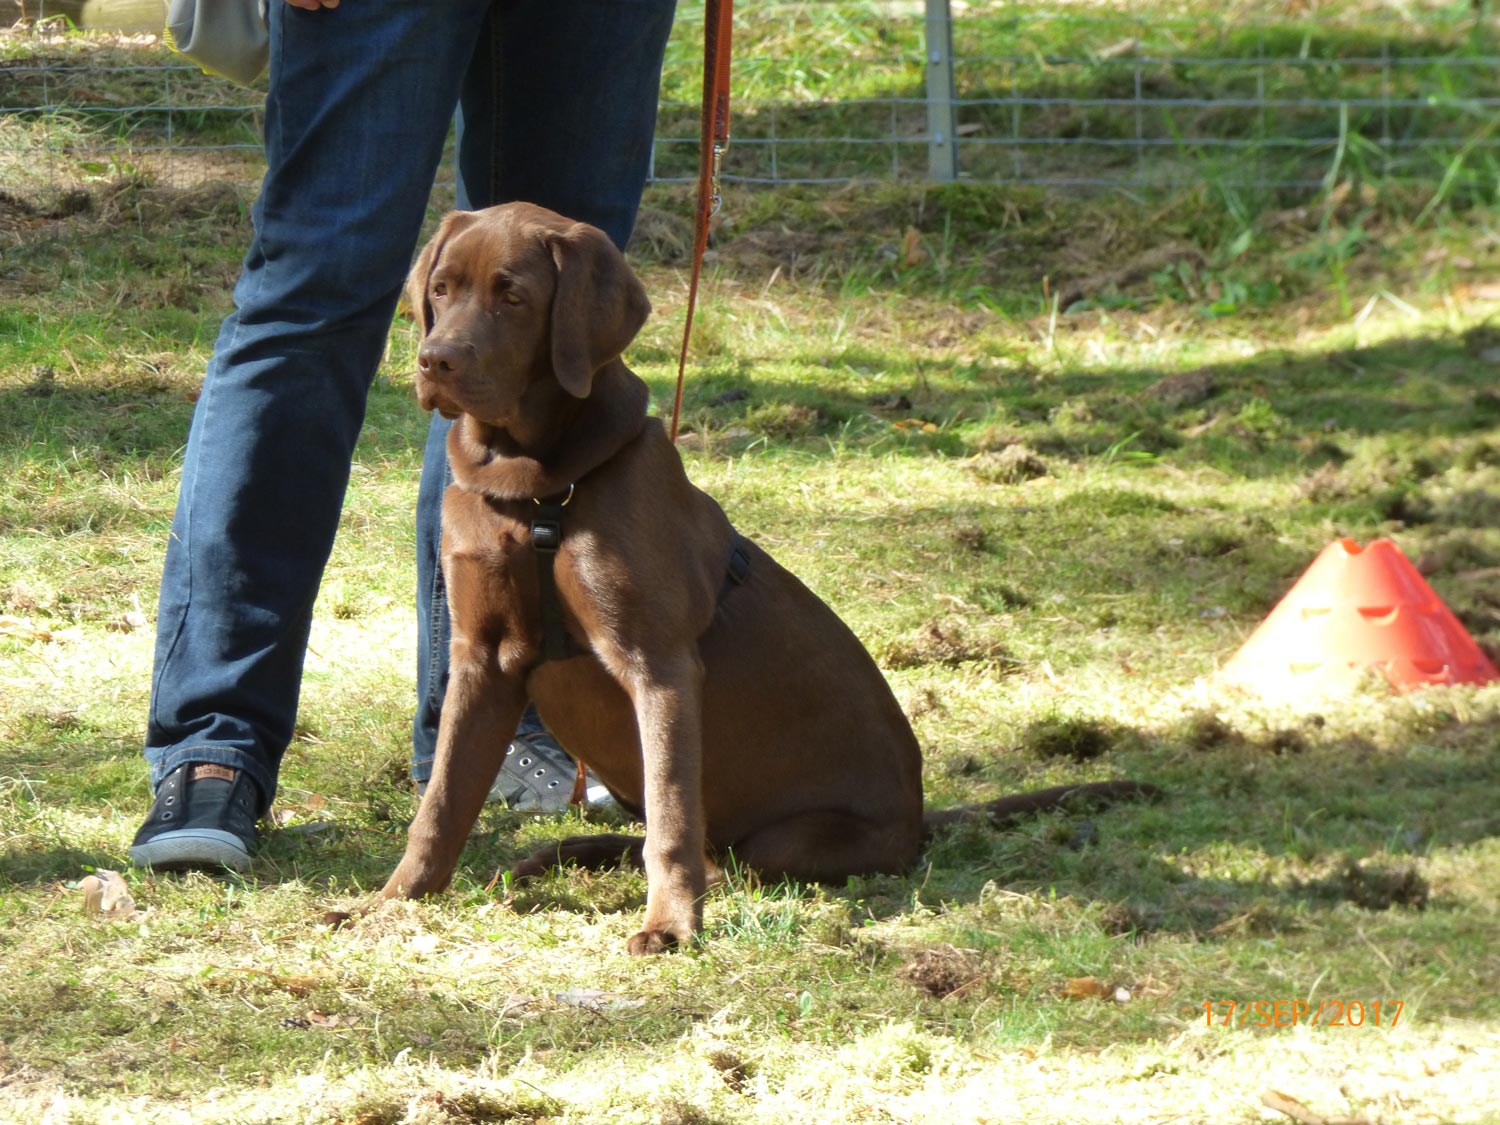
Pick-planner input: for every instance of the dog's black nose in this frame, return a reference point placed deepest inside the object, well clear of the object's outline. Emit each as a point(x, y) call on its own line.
point(439, 360)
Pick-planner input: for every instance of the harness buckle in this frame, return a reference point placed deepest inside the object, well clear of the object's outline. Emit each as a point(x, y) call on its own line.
point(546, 535)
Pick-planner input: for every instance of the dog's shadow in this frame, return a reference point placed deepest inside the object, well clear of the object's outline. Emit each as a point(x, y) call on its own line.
point(1251, 836)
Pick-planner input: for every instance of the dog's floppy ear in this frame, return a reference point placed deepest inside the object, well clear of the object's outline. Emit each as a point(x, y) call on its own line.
point(598, 306)
point(421, 273)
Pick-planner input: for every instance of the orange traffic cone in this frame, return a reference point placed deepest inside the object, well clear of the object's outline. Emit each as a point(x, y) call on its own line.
point(1357, 609)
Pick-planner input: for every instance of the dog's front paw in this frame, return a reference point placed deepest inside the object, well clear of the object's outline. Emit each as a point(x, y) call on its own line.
point(648, 943)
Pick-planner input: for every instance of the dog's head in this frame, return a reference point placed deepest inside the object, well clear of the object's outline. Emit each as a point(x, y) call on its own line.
point(517, 299)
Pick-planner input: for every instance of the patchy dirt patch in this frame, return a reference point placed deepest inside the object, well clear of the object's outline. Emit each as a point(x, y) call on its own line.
point(785, 419)
point(1204, 730)
point(951, 641)
point(1011, 465)
point(135, 200)
point(971, 537)
point(660, 236)
point(731, 1067)
point(1080, 739)
point(943, 970)
point(1373, 887)
point(1162, 256)
point(1187, 388)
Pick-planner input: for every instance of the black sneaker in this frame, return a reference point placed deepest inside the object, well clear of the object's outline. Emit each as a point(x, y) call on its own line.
point(538, 775)
point(204, 816)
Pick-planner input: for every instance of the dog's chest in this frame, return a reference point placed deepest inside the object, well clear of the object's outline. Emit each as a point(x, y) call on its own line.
point(504, 573)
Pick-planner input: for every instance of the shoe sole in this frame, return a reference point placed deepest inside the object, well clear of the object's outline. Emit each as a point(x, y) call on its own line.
point(192, 848)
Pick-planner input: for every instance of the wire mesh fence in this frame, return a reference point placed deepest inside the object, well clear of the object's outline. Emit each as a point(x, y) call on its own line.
point(1141, 97)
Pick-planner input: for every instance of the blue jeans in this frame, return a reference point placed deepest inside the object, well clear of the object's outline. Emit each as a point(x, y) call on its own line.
point(556, 103)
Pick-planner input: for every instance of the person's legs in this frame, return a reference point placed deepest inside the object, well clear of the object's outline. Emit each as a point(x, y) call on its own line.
point(357, 114)
point(558, 109)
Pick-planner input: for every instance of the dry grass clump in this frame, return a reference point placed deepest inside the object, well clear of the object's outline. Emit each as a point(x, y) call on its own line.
point(1013, 464)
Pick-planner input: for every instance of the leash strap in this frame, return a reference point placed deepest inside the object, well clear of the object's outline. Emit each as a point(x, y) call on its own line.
point(713, 143)
point(580, 792)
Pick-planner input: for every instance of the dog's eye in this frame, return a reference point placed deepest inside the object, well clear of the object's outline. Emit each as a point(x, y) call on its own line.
point(511, 298)
point(439, 288)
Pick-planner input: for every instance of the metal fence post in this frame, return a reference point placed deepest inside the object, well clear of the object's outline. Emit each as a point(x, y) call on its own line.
point(942, 123)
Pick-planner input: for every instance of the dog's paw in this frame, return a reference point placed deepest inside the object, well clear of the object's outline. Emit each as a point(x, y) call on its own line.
point(648, 943)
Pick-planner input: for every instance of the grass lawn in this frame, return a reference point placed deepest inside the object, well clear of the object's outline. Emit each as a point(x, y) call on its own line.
point(1052, 457)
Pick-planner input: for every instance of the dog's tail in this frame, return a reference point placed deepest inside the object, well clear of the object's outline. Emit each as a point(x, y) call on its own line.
point(1008, 810)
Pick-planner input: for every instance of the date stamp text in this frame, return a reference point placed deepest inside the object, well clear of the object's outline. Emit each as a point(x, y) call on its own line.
point(1291, 1013)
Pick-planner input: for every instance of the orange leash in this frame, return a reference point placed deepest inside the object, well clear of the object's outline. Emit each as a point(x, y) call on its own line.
point(713, 143)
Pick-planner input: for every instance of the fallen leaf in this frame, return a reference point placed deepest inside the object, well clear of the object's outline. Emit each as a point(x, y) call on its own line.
point(329, 1020)
point(297, 986)
point(284, 814)
point(1282, 1103)
point(1085, 988)
point(1294, 1109)
point(105, 894)
point(913, 253)
point(22, 628)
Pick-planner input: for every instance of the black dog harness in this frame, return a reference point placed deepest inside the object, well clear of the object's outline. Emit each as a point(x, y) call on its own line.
point(546, 539)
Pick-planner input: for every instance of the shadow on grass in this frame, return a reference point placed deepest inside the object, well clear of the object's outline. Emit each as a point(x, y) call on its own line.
point(1316, 824)
point(1265, 415)
point(1246, 414)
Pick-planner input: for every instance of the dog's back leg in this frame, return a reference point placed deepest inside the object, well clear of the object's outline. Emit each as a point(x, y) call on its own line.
point(828, 846)
point(816, 847)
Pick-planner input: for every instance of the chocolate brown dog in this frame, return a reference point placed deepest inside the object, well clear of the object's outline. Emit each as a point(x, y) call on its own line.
point(702, 683)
